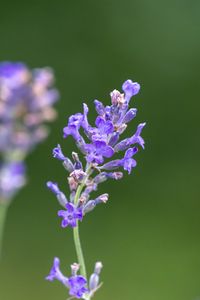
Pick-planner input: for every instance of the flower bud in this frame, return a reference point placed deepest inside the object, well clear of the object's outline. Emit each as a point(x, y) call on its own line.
point(94, 278)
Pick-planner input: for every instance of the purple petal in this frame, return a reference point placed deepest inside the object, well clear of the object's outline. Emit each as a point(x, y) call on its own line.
point(61, 213)
point(130, 152)
point(72, 223)
point(108, 127)
point(70, 207)
point(65, 223)
point(129, 164)
point(107, 151)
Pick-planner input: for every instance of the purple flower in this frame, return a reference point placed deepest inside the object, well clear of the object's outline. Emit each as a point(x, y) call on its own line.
point(77, 286)
point(55, 273)
point(128, 162)
point(73, 126)
point(98, 150)
point(135, 139)
point(71, 215)
point(130, 89)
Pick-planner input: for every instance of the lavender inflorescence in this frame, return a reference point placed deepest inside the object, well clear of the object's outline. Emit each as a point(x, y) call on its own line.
point(26, 103)
point(100, 144)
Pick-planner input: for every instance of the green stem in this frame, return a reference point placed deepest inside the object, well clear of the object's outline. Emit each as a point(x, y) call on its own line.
point(3, 211)
point(77, 241)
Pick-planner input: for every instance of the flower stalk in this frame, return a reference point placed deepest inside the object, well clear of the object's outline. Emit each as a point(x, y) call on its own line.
point(3, 213)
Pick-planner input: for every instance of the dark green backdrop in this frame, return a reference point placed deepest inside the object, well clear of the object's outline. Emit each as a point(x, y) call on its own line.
point(148, 234)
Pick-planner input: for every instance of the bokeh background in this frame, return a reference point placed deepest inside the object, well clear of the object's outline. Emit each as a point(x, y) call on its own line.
point(148, 234)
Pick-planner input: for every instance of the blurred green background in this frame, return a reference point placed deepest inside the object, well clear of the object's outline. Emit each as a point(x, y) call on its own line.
point(147, 236)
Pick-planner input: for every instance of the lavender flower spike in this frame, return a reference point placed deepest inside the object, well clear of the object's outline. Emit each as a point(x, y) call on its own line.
point(98, 144)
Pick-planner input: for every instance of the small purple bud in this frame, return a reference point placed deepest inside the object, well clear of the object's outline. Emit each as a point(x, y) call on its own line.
point(57, 153)
point(100, 177)
point(129, 115)
point(98, 267)
point(89, 206)
point(53, 186)
point(102, 198)
point(68, 165)
point(100, 109)
point(94, 278)
point(78, 164)
point(62, 199)
point(111, 165)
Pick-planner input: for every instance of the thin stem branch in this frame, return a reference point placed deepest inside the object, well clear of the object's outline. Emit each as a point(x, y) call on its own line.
point(3, 212)
point(77, 241)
